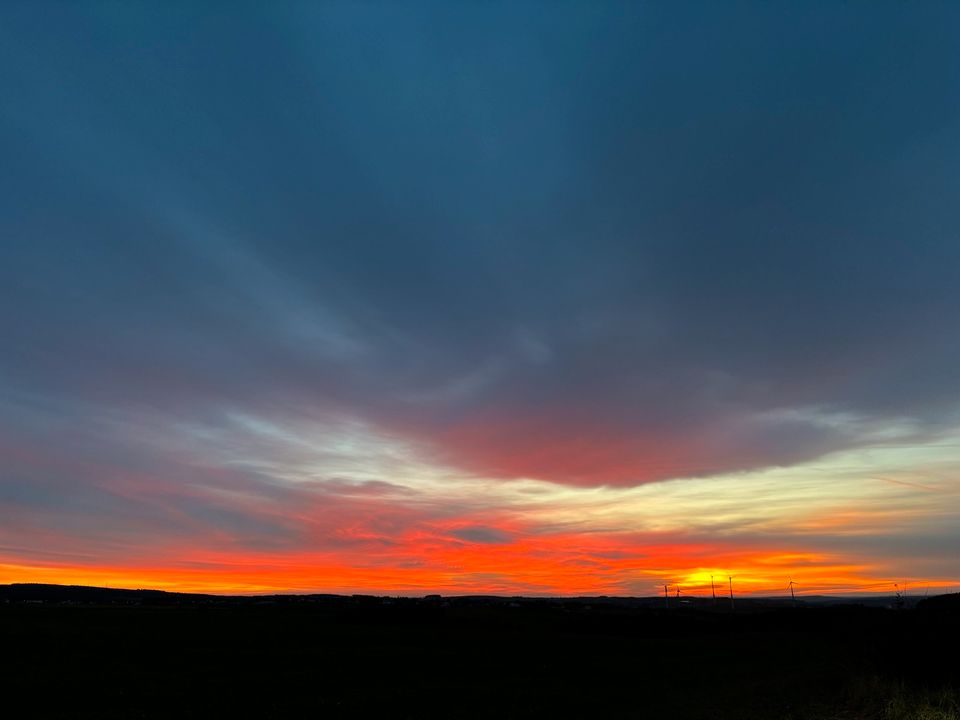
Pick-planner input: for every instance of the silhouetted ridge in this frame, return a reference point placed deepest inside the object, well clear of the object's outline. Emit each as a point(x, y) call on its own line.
point(941, 603)
point(25, 592)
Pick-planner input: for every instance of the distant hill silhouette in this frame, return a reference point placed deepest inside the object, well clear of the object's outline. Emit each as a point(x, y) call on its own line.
point(941, 603)
point(26, 592)
point(83, 594)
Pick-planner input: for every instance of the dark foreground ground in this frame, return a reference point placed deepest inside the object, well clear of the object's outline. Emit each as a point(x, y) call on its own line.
point(162, 656)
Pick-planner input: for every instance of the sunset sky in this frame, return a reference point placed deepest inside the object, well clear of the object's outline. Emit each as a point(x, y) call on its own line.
point(571, 298)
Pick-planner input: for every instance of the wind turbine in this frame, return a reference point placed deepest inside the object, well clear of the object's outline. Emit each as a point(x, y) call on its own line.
point(713, 590)
point(792, 594)
point(730, 580)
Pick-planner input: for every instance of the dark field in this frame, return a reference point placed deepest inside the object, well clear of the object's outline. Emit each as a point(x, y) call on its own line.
point(359, 657)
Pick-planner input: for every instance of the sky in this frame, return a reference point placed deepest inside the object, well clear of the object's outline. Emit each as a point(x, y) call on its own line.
point(540, 299)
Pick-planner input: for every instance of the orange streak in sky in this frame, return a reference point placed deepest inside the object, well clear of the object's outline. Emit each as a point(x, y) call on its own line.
point(557, 564)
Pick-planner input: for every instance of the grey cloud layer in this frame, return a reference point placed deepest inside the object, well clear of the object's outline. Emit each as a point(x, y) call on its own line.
point(589, 245)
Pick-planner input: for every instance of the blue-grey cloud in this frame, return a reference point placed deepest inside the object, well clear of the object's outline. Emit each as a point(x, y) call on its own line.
point(692, 240)
point(481, 534)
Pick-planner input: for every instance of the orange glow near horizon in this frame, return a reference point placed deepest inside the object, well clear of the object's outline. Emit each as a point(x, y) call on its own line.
point(211, 527)
point(543, 566)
